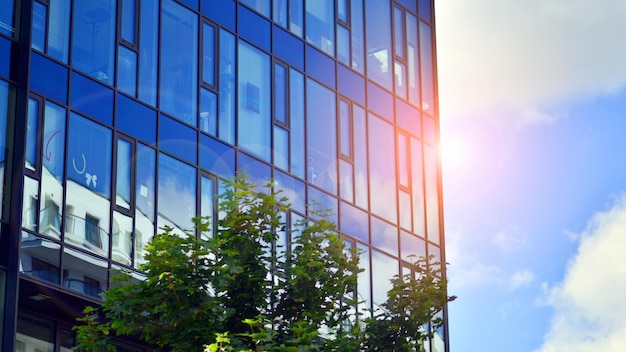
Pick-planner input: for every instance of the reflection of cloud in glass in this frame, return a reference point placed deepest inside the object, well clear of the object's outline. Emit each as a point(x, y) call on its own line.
point(177, 193)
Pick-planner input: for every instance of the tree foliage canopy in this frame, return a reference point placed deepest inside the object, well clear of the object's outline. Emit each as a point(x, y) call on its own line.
point(238, 290)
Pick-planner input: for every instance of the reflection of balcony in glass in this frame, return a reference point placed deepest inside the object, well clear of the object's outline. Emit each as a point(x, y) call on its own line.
point(86, 233)
point(50, 219)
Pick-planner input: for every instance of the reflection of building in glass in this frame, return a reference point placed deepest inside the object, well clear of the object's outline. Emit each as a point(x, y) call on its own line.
point(118, 117)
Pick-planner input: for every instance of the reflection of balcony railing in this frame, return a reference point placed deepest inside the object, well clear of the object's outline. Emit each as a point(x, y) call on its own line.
point(87, 234)
point(122, 243)
point(84, 287)
point(50, 221)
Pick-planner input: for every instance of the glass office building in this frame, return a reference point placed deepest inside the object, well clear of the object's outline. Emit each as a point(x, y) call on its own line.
point(118, 117)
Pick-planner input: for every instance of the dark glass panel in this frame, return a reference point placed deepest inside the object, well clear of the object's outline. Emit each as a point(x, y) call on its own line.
point(351, 84)
point(191, 3)
point(84, 273)
point(92, 98)
point(127, 70)
point(48, 78)
point(321, 202)
point(178, 139)
point(280, 93)
point(217, 156)
point(288, 48)
point(38, 35)
point(128, 20)
point(6, 17)
point(31, 130)
point(254, 27)
point(93, 38)
point(357, 29)
point(223, 12)
point(425, 9)
point(380, 101)
point(34, 334)
point(5, 57)
point(136, 119)
point(353, 222)
point(40, 258)
point(320, 66)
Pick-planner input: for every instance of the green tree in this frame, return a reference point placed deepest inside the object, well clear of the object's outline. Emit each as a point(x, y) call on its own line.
point(239, 291)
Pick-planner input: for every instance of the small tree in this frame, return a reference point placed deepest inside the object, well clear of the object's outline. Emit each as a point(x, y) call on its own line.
point(237, 290)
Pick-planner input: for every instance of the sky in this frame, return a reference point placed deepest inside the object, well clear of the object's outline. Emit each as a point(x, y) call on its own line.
point(532, 98)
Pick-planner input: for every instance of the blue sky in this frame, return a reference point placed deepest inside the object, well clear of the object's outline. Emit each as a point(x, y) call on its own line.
point(533, 129)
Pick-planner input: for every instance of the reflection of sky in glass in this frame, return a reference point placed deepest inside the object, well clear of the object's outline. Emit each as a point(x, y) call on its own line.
point(177, 193)
point(382, 168)
point(54, 139)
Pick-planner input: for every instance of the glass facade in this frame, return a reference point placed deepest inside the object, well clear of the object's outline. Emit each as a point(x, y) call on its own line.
point(136, 109)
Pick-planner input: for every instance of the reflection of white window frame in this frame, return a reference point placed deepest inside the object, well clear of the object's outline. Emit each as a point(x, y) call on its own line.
point(92, 230)
point(51, 218)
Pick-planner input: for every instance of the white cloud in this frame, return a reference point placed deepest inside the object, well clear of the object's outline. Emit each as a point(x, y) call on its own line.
point(524, 59)
point(589, 305)
point(521, 278)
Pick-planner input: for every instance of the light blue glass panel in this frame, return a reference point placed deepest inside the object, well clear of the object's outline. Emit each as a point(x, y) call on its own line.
point(417, 189)
point(84, 273)
point(412, 59)
point(343, 45)
point(411, 246)
point(322, 205)
point(178, 85)
point(345, 128)
point(207, 201)
point(226, 125)
point(281, 148)
point(279, 13)
point(360, 157)
point(40, 258)
point(261, 6)
point(379, 52)
point(426, 64)
point(176, 194)
point(148, 51)
point(384, 268)
point(54, 140)
point(342, 10)
point(364, 282)
point(93, 43)
point(255, 112)
point(122, 238)
point(432, 193)
point(208, 111)
point(382, 168)
point(400, 79)
point(398, 31)
point(296, 14)
point(280, 93)
point(357, 45)
point(127, 70)
point(384, 236)
point(145, 194)
point(403, 160)
point(6, 17)
point(347, 180)
point(425, 9)
point(354, 222)
point(404, 209)
point(124, 169)
point(59, 30)
point(321, 137)
point(208, 54)
point(128, 20)
point(296, 120)
point(38, 35)
point(32, 129)
point(320, 25)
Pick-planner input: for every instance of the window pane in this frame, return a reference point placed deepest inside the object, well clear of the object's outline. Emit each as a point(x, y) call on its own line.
point(40, 15)
point(404, 208)
point(296, 121)
point(432, 193)
point(179, 62)
point(281, 148)
point(208, 111)
point(400, 79)
point(30, 205)
point(34, 334)
point(364, 282)
point(419, 223)
point(177, 181)
point(208, 54)
point(411, 246)
point(262, 6)
point(31, 133)
point(384, 236)
point(84, 273)
point(51, 200)
point(320, 25)
point(59, 30)
point(226, 128)
point(280, 93)
point(379, 42)
point(254, 112)
point(6, 17)
point(383, 168)
point(412, 55)
point(386, 267)
point(40, 258)
point(122, 238)
point(124, 169)
point(145, 191)
point(426, 61)
point(207, 200)
point(148, 49)
point(356, 7)
point(88, 185)
point(93, 44)
point(321, 137)
point(403, 160)
point(127, 70)
point(360, 157)
point(342, 10)
point(128, 20)
point(343, 45)
point(347, 179)
point(345, 128)
point(280, 13)
point(398, 31)
point(295, 17)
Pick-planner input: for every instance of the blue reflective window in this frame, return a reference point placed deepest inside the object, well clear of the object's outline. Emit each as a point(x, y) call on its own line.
point(296, 15)
point(411, 245)
point(208, 54)
point(360, 156)
point(32, 129)
point(127, 70)
point(59, 30)
point(5, 57)
point(342, 11)
point(296, 122)
point(384, 236)
point(191, 3)
point(413, 72)
point(148, 51)
point(129, 7)
point(400, 79)
point(351, 84)
point(398, 31)
point(217, 156)
point(6, 17)
point(281, 148)
point(178, 86)
point(403, 160)
point(259, 173)
point(279, 13)
point(379, 52)
point(353, 222)
point(92, 98)
point(382, 168)
point(320, 25)
point(48, 78)
point(38, 35)
point(408, 118)
point(417, 189)
point(432, 193)
point(409, 4)
point(89, 154)
point(425, 9)
point(321, 137)
point(280, 93)
point(346, 181)
point(380, 101)
point(357, 45)
point(255, 111)
point(426, 65)
point(293, 189)
point(145, 189)
point(288, 48)
point(385, 268)
point(93, 43)
point(177, 181)
point(254, 27)
point(54, 140)
point(4, 110)
point(178, 139)
point(320, 66)
point(261, 6)
point(123, 173)
point(226, 125)
point(208, 111)
point(345, 128)
point(207, 202)
point(136, 119)
point(322, 202)
point(343, 45)
point(223, 11)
